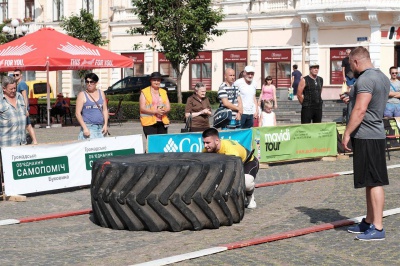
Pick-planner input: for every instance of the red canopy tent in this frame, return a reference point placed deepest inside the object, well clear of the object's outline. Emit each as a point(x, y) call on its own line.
point(49, 50)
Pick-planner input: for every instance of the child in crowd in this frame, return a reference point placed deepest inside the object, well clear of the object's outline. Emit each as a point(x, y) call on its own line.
point(268, 118)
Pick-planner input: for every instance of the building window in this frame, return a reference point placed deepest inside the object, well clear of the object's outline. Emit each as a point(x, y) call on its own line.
point(58, 9)
point(337, 55)
point(88, 5)
point(276, 63)
point(165, 67)
point(200, 70)
point(3, 10)
point(138, 67)
point(30, 9)
point(236, 60)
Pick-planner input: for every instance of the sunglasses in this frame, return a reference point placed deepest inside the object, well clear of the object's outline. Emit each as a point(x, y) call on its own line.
point(394, 73)
point(16, 75)
point(90, 81)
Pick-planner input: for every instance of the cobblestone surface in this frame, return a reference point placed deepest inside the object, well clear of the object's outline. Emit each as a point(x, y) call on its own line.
point(78, 241)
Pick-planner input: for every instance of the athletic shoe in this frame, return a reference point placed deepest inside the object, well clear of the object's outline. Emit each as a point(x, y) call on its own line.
point(372, 234)
point(359, 228)
point(251, 202)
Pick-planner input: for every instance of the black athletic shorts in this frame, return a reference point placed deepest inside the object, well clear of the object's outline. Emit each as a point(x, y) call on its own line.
point(251, 167)
point(369, 162)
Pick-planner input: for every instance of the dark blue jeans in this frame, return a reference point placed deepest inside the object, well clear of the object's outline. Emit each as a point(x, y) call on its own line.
point(247, 121)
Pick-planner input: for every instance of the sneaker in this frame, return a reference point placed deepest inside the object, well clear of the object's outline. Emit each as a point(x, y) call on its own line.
point(372, 234)
point(359, 228)
point(251, 202)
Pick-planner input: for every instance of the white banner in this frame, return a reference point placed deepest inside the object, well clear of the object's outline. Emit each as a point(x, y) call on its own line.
point(36, 168)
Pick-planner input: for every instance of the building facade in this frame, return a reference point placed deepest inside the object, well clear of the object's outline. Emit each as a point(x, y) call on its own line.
point(271, 35)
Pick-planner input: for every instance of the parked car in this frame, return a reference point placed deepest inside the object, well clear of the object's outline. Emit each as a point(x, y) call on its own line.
point(38, 89)
point(136, 84)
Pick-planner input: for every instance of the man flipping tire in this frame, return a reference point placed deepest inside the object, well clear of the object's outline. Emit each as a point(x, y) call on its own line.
point(213, 144)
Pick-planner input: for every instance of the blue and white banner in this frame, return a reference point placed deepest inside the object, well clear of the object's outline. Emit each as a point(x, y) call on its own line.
point(193, 142)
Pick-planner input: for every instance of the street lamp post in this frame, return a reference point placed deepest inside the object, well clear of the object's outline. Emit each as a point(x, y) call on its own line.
point(9, 30)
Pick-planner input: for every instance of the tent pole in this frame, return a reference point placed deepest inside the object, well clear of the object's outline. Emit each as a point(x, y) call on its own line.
point(48, 94)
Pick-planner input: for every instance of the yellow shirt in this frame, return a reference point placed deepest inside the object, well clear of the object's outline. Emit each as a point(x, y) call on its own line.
point(230, 147)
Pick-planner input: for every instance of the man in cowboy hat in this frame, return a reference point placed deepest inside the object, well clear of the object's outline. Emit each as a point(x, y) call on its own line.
point(309, 95)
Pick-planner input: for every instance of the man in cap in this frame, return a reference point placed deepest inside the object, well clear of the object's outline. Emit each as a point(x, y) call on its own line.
point(247, 89)
point(309, 95)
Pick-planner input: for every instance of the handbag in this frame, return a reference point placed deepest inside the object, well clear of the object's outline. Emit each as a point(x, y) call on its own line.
point(222, 117)
point(188, 125)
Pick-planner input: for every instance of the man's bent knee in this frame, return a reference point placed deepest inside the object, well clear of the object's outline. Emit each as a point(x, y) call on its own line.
point(249, 182)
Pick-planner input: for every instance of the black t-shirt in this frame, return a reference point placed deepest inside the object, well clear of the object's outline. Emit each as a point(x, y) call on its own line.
point(346, 65)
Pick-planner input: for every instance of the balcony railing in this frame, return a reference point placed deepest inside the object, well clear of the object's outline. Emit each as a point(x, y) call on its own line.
point(273, 7)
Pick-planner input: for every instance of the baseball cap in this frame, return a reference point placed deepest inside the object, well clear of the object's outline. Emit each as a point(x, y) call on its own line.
point(314, 64)
point(249, 69)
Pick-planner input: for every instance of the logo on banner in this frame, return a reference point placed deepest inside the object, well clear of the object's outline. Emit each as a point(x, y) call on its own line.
point(273, 140)
point(171, 146)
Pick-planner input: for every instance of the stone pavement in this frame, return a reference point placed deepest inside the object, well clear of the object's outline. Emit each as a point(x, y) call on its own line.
point(78, 241)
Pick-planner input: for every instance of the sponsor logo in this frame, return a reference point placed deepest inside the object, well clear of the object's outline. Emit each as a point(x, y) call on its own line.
point(170, 146)
point(17, 50)
point(78, 50)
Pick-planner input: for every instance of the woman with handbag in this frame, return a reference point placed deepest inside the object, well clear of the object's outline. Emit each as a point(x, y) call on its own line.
point(91, 110)
point(198, 108)
point(154, 106)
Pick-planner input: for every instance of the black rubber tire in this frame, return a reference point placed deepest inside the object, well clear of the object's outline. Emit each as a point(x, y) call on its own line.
point(168, 191)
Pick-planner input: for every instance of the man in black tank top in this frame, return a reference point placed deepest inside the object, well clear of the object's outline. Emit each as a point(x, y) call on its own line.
point(309, 95)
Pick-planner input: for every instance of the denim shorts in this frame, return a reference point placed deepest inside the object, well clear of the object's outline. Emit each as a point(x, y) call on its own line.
point(392, 110)
point(95, 132)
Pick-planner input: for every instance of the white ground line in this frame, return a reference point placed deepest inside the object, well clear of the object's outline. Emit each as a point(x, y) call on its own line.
point(9, 221)
point(185, 256)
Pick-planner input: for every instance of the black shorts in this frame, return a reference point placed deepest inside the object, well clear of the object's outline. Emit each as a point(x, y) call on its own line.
point(369, 162)
point(251, 167)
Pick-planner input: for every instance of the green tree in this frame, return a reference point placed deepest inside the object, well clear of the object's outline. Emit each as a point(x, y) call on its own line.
point(181, 27)
point(85, 28)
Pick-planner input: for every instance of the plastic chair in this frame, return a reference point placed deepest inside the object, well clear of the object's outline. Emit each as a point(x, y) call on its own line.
point(117, 115)
point(34, 109)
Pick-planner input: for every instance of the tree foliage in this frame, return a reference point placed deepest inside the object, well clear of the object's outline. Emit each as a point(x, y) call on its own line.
point(181, 27)
point(85, 28)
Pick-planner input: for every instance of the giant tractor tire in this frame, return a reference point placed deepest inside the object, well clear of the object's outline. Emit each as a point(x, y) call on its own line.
point(168, 191)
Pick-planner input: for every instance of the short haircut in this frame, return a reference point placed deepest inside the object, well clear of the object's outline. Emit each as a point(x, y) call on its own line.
point(18, 70)
point(390, 69)
point(295, 66)
point(360, 52)
point(7, 80)
point(92, 76)
point(198, 86)
point(210, 132)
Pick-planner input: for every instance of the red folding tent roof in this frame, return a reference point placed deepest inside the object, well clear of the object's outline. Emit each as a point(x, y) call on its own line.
point(48, 49)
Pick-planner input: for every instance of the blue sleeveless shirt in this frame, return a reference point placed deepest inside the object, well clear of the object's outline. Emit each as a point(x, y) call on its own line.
point(91, 113)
